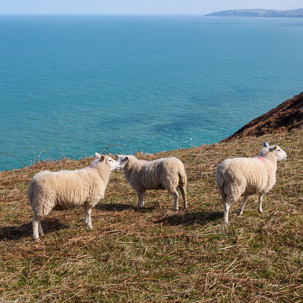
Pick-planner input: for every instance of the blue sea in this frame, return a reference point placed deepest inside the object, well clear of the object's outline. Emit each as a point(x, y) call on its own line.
point(74, 85)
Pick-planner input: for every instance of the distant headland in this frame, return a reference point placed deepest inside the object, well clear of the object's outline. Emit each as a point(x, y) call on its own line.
point(295, 13)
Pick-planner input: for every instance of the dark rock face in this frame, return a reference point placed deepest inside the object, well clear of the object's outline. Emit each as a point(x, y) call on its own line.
point(283, 118)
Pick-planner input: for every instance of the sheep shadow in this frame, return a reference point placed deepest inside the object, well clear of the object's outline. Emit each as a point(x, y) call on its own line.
point(26, 230)
point(122, 207)
point(191, 218)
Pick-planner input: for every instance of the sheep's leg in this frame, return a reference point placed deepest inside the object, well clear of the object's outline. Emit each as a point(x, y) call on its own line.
point(241, 209)
point(141, 199)
point(35, 223)
point(223, 198)
point(226, 211)
point(40, 229)
point(183, 192)
point(227, 206)
point(260, 199)
point(176, 196)
point(88, 218)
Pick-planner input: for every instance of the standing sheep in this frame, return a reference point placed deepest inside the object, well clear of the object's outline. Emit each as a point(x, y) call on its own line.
point(248, 176)
point(69, 188)
point(165, 173)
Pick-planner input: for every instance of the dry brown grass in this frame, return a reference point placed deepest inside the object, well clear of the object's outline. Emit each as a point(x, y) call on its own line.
point(156, 255)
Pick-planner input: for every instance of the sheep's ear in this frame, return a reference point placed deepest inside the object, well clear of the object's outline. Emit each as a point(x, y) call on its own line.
point(273, 148)
point(125, 159)
point(266, 144)
point(100, 157)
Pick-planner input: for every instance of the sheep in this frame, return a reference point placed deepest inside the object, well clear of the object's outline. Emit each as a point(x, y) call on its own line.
point(66, 189)
point(165, 173)
point(248, 176)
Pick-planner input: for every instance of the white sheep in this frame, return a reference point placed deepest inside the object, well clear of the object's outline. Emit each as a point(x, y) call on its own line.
point(165, 173)
point(248, 176)
point(69, 188)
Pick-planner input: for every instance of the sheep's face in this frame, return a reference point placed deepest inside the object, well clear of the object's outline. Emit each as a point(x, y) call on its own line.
point(113, 165)
point(122, 160)
point(278, 152)
point(275, 149)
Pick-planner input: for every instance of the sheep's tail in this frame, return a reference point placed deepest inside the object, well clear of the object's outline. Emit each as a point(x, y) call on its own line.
point(182, 186)
point(182, 179)
point(220, 180)
point(220, 184)
point(30, 192)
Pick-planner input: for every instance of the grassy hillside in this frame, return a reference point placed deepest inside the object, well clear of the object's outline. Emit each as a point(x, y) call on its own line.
point(156, 255)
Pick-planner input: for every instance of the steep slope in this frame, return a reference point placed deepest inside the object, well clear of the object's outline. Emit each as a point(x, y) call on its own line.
point(283, 118)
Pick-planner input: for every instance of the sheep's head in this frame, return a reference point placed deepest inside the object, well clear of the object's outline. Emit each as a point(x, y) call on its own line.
point(122, 160)
point(279, 153)
point(113, 165)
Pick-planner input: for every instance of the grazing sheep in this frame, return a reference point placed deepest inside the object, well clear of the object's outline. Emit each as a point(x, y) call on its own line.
point(248, 176)
point(69, 188)
point(165, 173)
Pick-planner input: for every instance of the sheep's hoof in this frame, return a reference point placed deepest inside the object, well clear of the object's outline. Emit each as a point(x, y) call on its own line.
point(36, 239)
point(260, 211)
point(239, 212)
point(89, 226)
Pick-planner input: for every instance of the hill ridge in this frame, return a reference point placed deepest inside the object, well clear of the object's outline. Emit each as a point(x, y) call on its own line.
point(283, 118)
point(293, 13)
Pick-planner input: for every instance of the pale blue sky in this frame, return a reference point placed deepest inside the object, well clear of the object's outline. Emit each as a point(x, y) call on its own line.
point(137, 6)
